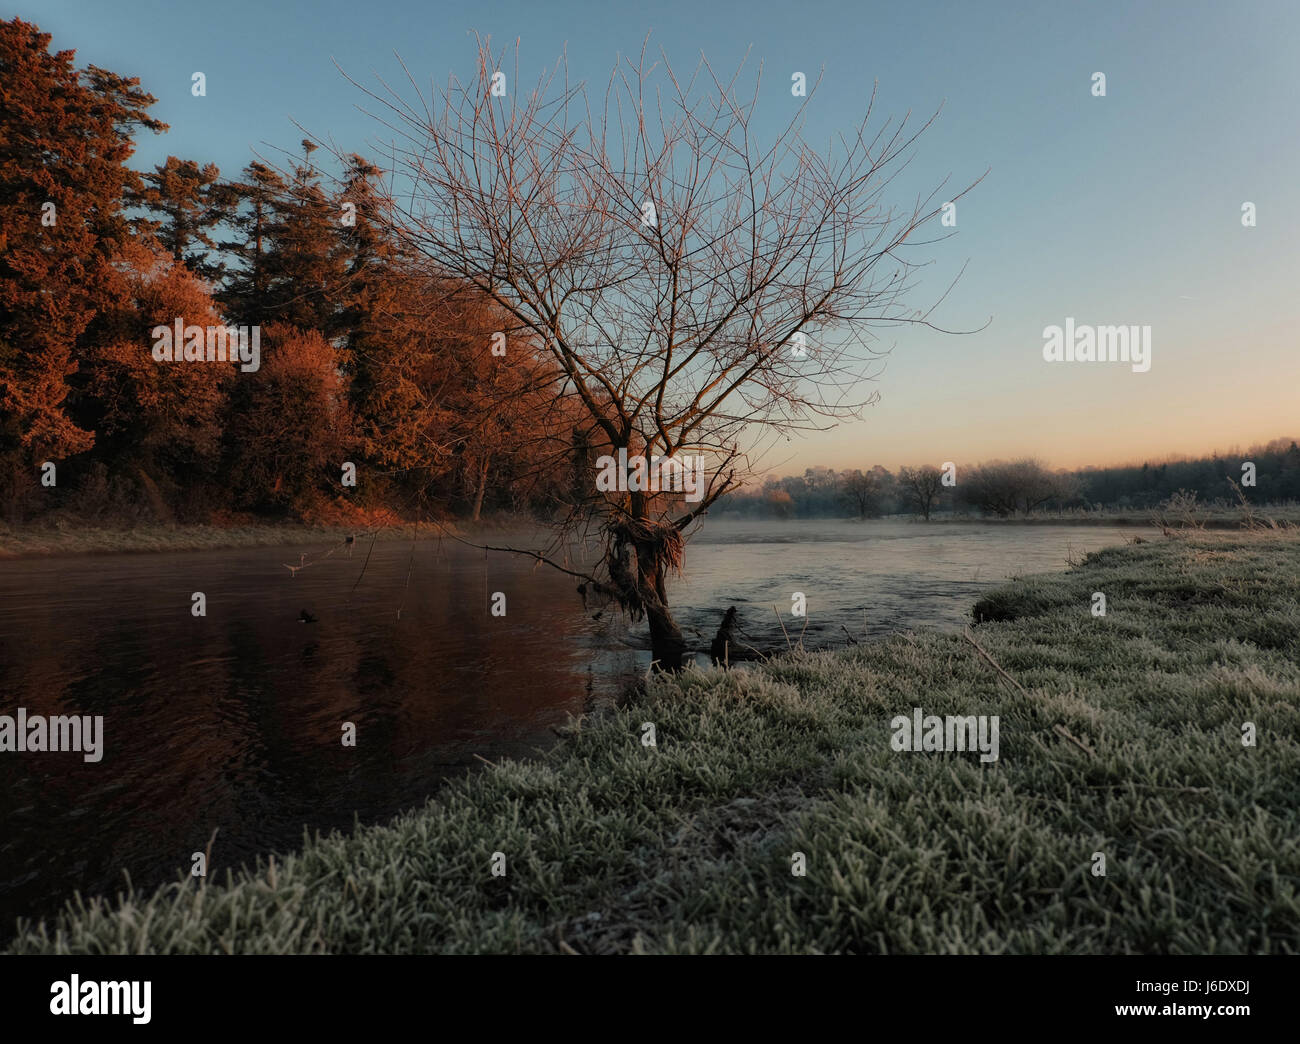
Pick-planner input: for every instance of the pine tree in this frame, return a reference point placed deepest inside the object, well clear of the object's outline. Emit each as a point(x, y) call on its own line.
point(377, 349)
point(305, 263)
point(182, 200)
point(65, 137)
point(289, 248)
point(248, 207)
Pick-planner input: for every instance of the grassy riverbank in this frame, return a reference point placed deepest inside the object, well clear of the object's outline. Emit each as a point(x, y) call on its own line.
point(38, 539)
point(1120, 735)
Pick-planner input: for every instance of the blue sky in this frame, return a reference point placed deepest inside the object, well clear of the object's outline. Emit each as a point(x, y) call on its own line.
point(1116, 210)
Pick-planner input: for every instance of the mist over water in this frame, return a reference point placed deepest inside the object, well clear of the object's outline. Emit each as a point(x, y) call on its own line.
point(867, 578)
point(233, 721)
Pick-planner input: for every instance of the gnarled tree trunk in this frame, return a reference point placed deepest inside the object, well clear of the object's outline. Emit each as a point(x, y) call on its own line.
point(666, 642)
point(642, 589)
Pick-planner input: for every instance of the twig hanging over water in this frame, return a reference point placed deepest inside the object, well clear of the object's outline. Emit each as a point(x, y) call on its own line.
point(363, 565)
point(410, 564)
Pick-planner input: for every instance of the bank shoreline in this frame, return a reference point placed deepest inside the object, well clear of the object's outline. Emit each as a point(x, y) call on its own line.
point(1121, 736)
point(21, 542)
point(44, 541)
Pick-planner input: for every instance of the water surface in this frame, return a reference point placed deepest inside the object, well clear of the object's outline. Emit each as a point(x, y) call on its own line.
point(232, 721)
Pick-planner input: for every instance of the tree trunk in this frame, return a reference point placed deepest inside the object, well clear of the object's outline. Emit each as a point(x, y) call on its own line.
point(667, 646)
point(720, 650)
point(666, 642)
point(482, 486)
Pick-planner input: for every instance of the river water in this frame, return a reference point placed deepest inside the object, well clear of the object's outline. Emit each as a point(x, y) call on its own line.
point(233, 721)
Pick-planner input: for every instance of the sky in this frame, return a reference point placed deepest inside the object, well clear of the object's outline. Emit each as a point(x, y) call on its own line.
point(1117, 210)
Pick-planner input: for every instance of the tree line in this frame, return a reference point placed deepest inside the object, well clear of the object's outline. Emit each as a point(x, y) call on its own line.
point(371, 355)
point(397, 354)
point(1022, 487)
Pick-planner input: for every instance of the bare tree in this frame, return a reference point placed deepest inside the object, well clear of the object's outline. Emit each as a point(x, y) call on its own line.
point(864, 490)
point(921, 488)
point(702, 294)
point(1008, 487)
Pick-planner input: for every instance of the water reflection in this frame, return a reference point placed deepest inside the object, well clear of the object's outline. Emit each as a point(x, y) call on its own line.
point(233, 721)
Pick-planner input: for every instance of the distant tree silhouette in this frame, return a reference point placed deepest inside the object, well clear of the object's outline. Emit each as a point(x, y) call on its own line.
point(866, 490)
point(1007, 488)
point(921, 488)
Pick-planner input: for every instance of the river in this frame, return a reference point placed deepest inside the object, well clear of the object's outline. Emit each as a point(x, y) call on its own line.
point(233, 721)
